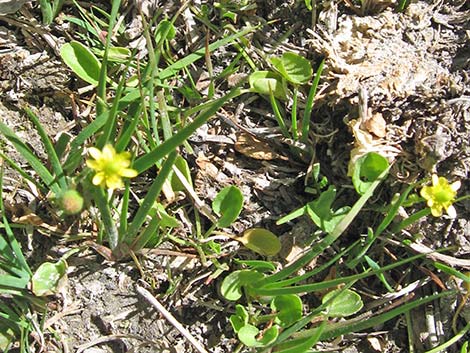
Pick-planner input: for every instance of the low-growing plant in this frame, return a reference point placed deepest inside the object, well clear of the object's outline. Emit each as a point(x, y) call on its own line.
point(339, 299)
point(294, 70)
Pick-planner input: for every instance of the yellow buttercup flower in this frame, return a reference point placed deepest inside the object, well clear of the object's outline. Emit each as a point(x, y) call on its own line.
point(440, 196)
point(110, 167)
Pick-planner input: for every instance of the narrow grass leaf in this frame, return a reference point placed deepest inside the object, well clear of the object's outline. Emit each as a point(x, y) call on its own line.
point(328, 240)
point(150, 197)
point(150, 159)
point(50, 150)
point(31, 158)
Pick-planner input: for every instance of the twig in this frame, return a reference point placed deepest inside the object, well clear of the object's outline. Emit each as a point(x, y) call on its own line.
point(151, 299)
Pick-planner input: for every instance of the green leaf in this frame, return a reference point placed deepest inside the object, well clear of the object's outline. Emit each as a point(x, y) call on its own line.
point(321, 213)
point(261, 241)
point(228, 204)
point(82, 62)
point(7, 336)
point(288, 308)
point(48, 277)
point(116, 54)
point(239, 319)
point(165, 31)
point(344, 303)
point(264, 82)
point(165, 219)
point(258, 265)
point(248, 336)
point(231, 287)
point(367, 169)
point(301, 345)
point(294, 68)
point(30, 157)
point(183, 167)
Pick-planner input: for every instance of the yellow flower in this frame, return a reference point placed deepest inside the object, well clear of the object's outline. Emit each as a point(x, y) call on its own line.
point(440, 196)
point(110, 167)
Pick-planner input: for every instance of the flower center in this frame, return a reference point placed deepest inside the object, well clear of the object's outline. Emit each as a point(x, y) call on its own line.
point(111, 168)
point(443, 196)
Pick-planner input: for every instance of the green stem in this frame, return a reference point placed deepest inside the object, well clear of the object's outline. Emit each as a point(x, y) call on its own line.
point(106, 218)
point(278, 115)
point(295, 133)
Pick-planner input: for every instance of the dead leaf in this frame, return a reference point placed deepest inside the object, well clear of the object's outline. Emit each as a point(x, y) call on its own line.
point(30, 219)
point(376, 125)
point(250, 146)
point(376, 344)
point(207, 167)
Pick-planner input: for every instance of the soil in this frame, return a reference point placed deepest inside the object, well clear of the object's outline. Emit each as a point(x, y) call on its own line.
point(406, 74)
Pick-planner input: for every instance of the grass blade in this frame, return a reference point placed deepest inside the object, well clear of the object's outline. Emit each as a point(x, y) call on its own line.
point(31, 158)
point(50, 150)
point(148, 160)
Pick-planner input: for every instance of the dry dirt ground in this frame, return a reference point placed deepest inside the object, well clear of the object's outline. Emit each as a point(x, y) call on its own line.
point(413, 70)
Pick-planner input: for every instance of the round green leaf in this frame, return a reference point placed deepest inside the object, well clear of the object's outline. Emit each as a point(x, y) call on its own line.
point(367, 169)
point(344, 303)
point(288, 308)
point(248, 336)
point(82, 62)
point(294, 68)
point(261, 241)
point(47, 278)
point(228, 204)
point(265, 82)
point(231, 287)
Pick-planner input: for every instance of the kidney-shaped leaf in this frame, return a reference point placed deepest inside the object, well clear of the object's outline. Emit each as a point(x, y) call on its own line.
point(344, 303)
point(231, 287)
point(248, 335)
point(82, 62)
point(240, 318)
point(265, 82)
point(48, 277)
point(228, 204)
point(288, 308)
point(261, 241)
point(294, 68)
point(367, 169)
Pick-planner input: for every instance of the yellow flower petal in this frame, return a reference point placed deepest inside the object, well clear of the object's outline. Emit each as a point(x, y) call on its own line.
point(128, 173)
point(94, 152)
point(98, 179)
point(436, 211)
point(109, 153)
point(114, 182)
point(92, 164)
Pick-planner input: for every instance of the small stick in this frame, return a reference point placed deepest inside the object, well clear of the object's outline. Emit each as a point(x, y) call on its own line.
point(151, 299)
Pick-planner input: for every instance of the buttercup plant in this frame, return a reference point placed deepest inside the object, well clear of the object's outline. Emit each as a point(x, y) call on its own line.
point(110, 167)
point(440, 196)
